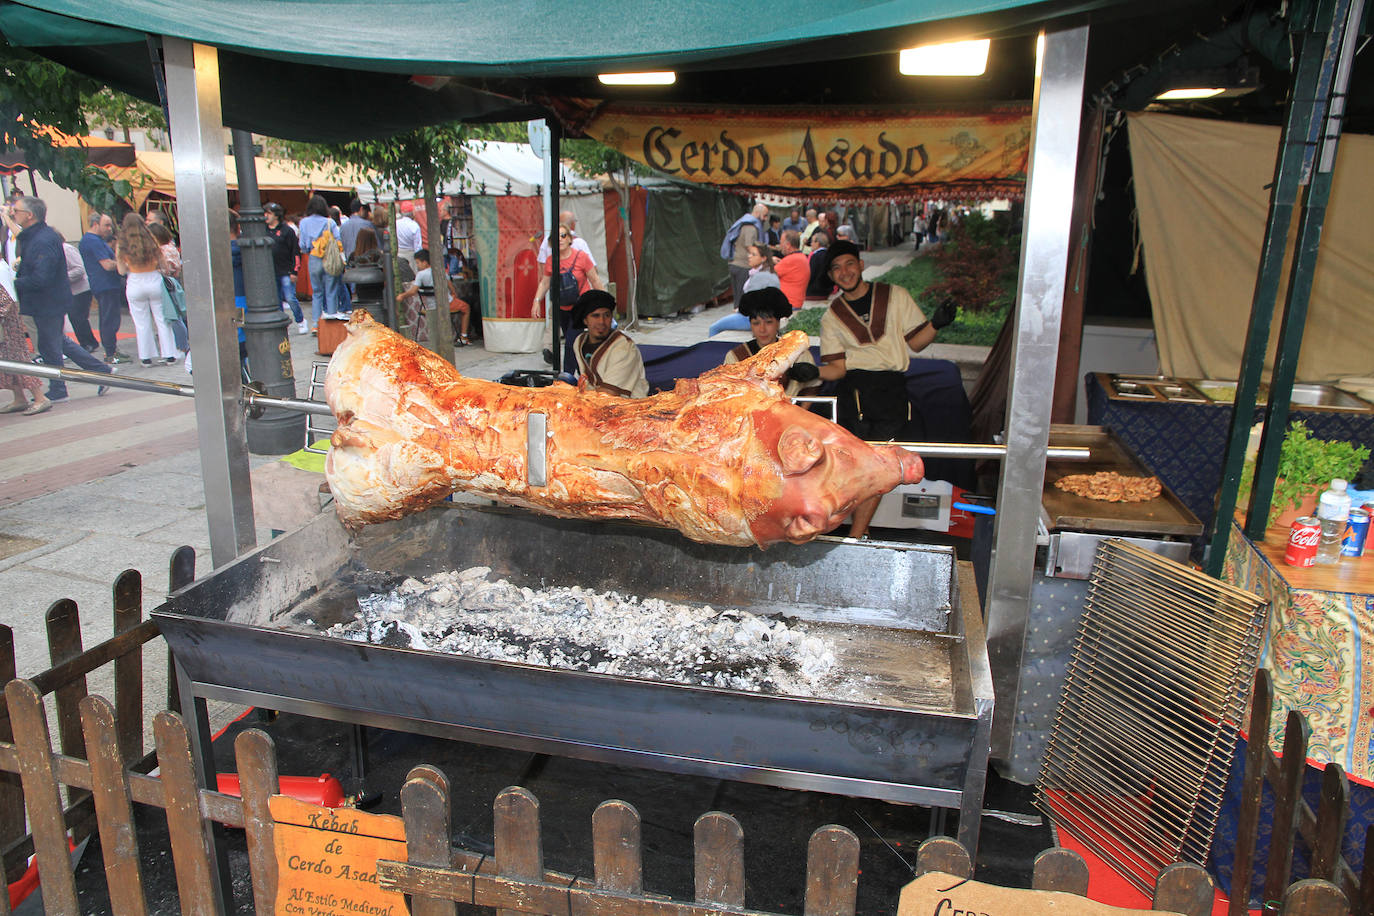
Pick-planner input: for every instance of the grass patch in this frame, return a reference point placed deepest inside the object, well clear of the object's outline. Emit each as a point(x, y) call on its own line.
point(808, 320)
point(915, 276)
point(978, 329)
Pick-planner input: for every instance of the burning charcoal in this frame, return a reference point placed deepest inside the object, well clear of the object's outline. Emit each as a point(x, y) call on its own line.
point(604, 632)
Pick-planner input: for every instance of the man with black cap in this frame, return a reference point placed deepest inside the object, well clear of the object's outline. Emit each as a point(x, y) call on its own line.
point(868, 334)
point(606, 358)
point(766, 309)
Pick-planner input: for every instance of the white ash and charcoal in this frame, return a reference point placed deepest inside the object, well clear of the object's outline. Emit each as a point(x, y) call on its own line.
point(604, 632)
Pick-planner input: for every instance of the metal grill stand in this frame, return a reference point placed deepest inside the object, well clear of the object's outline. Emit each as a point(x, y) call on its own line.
point(897, 614)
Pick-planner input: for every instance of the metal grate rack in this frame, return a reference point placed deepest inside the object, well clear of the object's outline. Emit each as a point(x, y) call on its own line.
point(1145, 729)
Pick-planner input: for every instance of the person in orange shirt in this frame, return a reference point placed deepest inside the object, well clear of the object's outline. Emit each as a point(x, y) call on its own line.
point(793, 269)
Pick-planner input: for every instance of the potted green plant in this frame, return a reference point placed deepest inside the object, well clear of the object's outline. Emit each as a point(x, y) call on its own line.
point(1306, 467)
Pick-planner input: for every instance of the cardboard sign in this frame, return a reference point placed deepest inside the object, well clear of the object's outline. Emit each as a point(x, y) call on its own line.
point(327, 860)
point(850, 151)
point(938, 894)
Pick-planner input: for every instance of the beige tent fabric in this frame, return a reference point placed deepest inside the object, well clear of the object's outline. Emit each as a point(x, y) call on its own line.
point(153, 171)
point(1200, 189)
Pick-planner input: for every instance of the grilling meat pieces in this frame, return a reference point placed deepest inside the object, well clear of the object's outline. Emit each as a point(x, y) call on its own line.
point(724, 458)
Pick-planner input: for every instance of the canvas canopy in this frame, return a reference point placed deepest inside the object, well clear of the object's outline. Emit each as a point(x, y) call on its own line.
point(1202, 192)
point(489, 38)
point(348, 63)
point(152, 171)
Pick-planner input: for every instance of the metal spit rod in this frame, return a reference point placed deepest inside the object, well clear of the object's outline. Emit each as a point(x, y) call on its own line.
point(979, 450)
point(251, 398)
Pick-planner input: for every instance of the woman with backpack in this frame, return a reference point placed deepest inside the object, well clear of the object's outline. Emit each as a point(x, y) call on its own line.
point(576, 275)
point(317, 233)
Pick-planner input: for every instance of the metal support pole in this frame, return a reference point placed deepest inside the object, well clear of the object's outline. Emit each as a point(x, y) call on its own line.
point(1312, 76)
point(555, 172)
point(1324, 137)
point(1056, 112)
point(197, 131)
point(276, 432)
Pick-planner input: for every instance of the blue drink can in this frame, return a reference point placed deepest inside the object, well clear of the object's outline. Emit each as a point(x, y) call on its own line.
point(1356, 533)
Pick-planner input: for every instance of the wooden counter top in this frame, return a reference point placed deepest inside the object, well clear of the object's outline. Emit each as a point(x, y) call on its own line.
point(1349, 574)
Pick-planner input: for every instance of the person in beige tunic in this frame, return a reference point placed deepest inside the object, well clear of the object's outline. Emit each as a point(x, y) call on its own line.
point(606, 358)
point(868, 334)
point(766, 309)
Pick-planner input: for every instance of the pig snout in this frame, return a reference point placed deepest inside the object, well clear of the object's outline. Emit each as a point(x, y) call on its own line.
point(913, 469)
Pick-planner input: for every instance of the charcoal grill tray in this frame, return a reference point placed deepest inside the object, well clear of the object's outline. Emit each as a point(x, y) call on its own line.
point(919, 733)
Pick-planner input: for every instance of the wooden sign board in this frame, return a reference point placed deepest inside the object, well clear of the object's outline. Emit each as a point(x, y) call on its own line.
point(938, 894)
point(327, 859)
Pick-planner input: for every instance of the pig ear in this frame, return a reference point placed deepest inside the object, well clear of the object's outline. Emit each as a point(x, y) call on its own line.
point(798, 450)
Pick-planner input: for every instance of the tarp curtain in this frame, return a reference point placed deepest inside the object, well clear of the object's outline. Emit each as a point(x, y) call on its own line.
point(507, 231)
point(841, 153)
point(1202, 194)
point(681, 265)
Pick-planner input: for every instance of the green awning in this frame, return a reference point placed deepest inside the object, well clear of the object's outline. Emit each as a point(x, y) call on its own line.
point(491, 38)
point(325, 70)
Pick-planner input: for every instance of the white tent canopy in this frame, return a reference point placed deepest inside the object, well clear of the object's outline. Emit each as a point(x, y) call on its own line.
point(497, 169)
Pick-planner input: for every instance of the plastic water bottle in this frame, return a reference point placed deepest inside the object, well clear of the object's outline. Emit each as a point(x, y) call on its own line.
point(1333, 509)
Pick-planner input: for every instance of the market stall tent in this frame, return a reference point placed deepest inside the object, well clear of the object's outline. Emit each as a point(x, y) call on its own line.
point(227, 60)
point(153, 172)
point(99, 152)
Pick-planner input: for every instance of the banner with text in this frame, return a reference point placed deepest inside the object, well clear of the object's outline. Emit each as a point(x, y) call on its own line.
point(858, 153)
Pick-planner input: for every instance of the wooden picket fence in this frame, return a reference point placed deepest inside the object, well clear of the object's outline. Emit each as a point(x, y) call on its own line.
point(1322, 831)
point(100, 759)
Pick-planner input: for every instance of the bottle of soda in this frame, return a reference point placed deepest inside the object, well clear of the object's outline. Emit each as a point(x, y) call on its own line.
point(1332, 511)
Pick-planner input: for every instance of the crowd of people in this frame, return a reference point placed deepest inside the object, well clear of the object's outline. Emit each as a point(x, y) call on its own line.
point(132, 264)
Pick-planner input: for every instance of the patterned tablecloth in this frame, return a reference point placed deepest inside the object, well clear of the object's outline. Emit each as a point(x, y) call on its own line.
point(1319, 650)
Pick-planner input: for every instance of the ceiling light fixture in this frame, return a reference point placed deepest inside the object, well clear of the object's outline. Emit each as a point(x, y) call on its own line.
point(952, 58)
point(648, 78)
point(1174, 95)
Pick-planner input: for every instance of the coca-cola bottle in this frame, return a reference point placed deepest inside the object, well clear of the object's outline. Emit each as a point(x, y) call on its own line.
point(1333, 509)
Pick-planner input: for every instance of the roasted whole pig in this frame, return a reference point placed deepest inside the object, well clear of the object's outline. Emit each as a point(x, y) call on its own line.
point(724, 458)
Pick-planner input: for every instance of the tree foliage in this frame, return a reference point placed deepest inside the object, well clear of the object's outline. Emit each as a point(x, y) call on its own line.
point(37, 95)
point(398, 161)
point(978, 265)
point(122, 111)
point(592, 157)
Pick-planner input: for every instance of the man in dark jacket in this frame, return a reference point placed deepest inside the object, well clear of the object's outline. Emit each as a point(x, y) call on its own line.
point(44, 293)
point(41, 282)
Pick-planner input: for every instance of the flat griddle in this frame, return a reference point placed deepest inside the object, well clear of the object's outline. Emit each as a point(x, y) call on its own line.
point(1064, 511)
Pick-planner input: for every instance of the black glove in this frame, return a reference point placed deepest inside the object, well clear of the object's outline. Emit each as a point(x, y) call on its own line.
point(944, 315)
point(803, 372)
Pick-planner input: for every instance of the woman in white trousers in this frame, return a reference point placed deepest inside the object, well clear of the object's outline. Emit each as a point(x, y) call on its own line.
point(140, 259)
